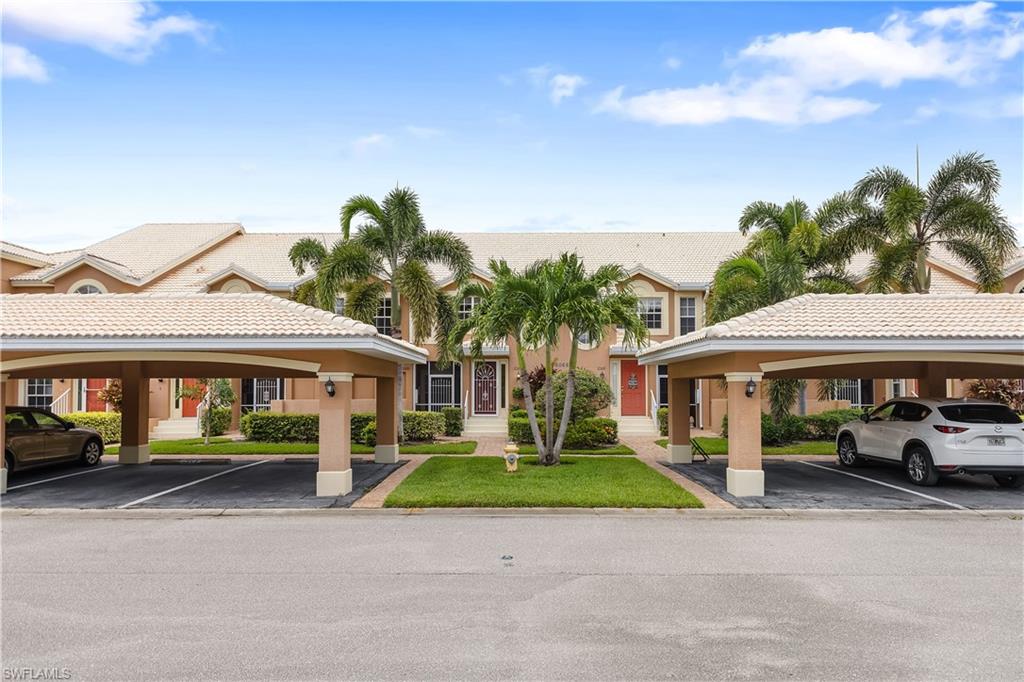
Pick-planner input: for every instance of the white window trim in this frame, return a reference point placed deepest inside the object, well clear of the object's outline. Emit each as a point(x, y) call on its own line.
point(696, 312)
point(643, 289)
point(87, 282)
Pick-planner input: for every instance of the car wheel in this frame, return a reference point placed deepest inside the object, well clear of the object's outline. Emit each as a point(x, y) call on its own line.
point(1010, 481)
point(9, 462)
point(848, 451)
point(920, 469)
point(91, 453)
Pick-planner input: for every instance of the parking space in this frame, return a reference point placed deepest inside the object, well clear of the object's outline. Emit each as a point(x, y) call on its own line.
point(273, 483)
point(796, 484)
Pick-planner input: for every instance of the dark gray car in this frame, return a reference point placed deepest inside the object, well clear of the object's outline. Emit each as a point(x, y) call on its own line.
point(35, 437)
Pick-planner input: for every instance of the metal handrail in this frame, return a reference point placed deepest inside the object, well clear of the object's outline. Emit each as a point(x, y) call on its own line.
point(62, 404)
point(654, 411)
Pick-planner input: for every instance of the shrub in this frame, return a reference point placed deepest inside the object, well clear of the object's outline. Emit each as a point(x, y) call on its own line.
point(278, 427)
point(591, 433)
point(108, 424)
point(452, 421)
point(825, 425)
point(245, 425)
point(791, 428)
point(359, 421)
point(423, 426)
point(112, 394)
point(519, 430)
point(663, 421)
point(591, 396)
point(368, 436)
point(1005, 391)
point(220, 421)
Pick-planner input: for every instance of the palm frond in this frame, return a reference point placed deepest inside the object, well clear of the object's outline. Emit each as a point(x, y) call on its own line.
point(347, 262)
point(762, 215)
point(307, 252)
point(965, 173)
point(879, 182)
point(416, 286)
point(986, 265)
point(446, 248)
point(362, 299)
point(360, 204)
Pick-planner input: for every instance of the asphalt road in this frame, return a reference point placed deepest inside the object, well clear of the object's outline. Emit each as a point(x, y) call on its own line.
point(642, 596)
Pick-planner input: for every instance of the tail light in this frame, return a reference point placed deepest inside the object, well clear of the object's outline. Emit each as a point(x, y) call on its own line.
point(942, 428)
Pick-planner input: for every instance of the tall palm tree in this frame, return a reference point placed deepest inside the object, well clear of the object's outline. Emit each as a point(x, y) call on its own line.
point(532, 307)
point(790, 253)
point(392, 251)
point(957, 210)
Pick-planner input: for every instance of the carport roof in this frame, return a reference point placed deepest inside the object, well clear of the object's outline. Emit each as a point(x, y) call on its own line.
point(185, 321)
point(882, 322)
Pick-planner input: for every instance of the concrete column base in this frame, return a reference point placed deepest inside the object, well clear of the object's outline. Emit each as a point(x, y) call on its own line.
point(3, 480)
point(385, 454)
point(133, 454)
point(744, 482)
point(680, 454)
point(333, 483)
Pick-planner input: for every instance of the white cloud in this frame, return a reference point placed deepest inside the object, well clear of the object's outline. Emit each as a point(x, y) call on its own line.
point(129, 29)
point(792, 78)
point(769, 100)
point(559, 85)
point(367, 142)
point(969, 17)
point(565, 85)
point(673, 63)
point(20, 63)
point(423, 132)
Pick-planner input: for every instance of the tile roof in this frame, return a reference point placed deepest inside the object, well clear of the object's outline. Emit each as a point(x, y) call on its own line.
point(24, 252)
point(823, 317)
point(142, 252)
point(175, 316)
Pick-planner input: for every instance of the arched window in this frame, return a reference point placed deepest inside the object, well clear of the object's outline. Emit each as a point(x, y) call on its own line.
point(88, 289)
point(87, 286)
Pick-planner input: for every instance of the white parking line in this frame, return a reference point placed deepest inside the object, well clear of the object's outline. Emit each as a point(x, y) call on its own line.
point(190, 483)
point(57, 478)
point(887, 485)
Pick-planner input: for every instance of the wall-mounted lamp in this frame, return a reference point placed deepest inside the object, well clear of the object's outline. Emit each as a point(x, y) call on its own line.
point(329, 387)
point(160, 381)
point(751, 387)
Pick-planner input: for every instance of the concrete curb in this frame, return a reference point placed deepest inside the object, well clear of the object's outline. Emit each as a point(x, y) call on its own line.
point(701, 514)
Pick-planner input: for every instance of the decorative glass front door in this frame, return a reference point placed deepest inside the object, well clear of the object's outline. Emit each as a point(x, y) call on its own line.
point(485, 388)
point(632, 388)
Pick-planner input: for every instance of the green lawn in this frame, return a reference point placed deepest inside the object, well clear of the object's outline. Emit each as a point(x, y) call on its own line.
point(576, 482)
point(226, 446)
point(720, 446)
point(619, 449)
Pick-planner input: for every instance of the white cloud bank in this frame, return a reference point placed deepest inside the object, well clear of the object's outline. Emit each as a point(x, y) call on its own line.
point(20, 63)
point(129, 30)
point(799, 72)
point(560, 86)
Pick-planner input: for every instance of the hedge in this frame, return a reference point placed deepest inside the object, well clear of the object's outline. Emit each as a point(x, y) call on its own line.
point(663, 421)
point(108, 424)
point(586, 433)
point(277, 427)
point(821, 426)
point(221, 421)
point(452, 421)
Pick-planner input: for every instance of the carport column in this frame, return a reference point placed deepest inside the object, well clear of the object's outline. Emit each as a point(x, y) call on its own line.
point(386, 451)
point(134, 415)
point(933, 383)
point(679, 448)
point(3, 434)
point(744, 476)
point(335, 475)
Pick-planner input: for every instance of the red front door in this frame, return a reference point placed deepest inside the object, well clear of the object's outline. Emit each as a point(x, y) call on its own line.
point(189, 405)
point(93, 402)
point(633, 388)
point(485, 388)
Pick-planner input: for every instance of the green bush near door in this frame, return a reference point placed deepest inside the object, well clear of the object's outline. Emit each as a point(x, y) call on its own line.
point(108, 424)
point(277, 427)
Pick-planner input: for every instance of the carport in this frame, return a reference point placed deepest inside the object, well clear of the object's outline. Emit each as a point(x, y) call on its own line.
point(933, 337)
point(138, 336)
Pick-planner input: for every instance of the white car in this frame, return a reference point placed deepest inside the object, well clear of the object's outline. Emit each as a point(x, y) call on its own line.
point(932, 438)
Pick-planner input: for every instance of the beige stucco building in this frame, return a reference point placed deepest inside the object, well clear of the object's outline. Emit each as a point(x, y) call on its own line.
point(670, 272)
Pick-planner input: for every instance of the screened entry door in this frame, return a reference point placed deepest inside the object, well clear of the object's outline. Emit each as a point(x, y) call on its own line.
point(485, 388)
point(257, 393)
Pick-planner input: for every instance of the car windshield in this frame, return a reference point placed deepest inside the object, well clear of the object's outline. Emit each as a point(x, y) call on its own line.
point(980, 414)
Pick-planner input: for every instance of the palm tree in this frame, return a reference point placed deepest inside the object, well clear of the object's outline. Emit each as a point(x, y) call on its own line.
point(791, 252)
point(532, 307)
point(957, 210)
point(392, 251)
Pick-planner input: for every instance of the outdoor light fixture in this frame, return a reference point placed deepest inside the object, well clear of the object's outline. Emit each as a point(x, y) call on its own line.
point(751, 387)
point(329, 387)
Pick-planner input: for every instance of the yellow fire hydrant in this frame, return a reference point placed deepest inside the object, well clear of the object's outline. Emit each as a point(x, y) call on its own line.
point(511, 457)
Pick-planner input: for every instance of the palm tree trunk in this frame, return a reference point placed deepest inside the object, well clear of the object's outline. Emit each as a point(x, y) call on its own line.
point(570, 391)
point(531, 412)
point(549, 405)
point(396, 333)
point(922, 281)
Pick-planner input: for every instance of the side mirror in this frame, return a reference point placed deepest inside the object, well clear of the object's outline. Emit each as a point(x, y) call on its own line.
point(865, 417)
point(69, 425)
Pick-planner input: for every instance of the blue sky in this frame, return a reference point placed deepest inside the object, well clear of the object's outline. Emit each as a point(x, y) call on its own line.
point(593, 117)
